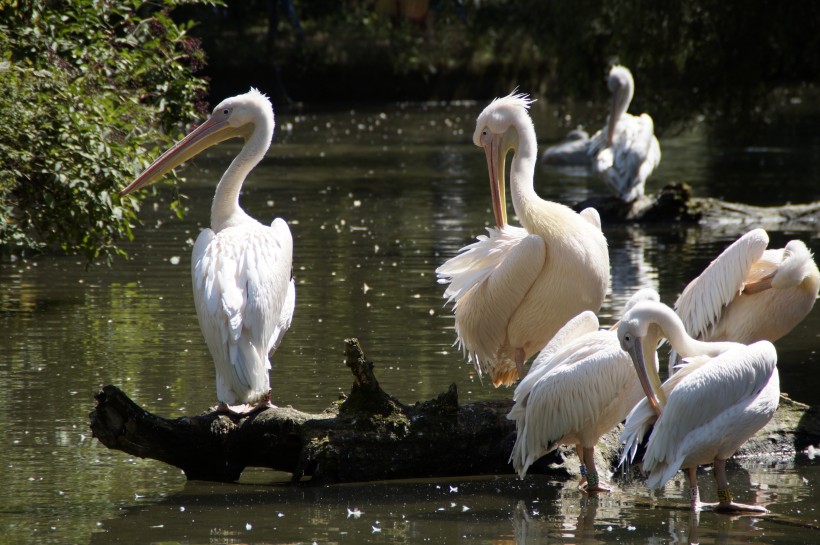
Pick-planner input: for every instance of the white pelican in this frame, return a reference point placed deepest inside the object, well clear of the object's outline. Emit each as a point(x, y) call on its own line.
point(624, 153)
point(240, 268)
point(514, 289)
point(723, 395)
point(578, 388)
point(749, 293)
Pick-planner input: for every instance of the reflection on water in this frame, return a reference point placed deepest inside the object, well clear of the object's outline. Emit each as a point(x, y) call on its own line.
point(376, 198)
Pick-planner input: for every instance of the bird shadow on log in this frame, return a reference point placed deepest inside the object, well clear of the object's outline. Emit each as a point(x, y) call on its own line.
point(370, 435)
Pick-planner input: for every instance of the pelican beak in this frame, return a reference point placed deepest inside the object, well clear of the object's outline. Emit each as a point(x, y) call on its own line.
point(211, 132)
point(637, 355)
point(495, 167)
point(759, 285)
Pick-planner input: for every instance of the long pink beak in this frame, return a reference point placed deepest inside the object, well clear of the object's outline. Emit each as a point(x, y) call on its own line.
point(212, 131)
point(495, 168)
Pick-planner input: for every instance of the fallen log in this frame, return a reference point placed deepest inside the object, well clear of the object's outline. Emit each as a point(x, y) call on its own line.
point(369, 435)
point(676, 204)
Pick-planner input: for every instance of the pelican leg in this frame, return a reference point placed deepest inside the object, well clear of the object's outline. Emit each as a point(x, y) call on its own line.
point(694, 494)
point(246, 409)
point(725, 503)
point(583, 470)
point(594, 484)
point(519, 362)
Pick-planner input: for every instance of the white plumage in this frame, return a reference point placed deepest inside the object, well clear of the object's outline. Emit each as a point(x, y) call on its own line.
point(240, 268)
point(624, 153)
point(515, 288)
point(749, 293)
point(579, 387)
point(243, 311)
point(723, 395)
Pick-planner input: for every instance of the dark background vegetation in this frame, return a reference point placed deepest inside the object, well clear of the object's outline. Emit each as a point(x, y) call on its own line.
point(727, 58)
point(89, 89)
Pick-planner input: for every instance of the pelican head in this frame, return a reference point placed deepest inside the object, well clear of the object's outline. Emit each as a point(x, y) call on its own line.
point(497, 132)
point(798, 264)
point(622, 87)
point(235, 117)
point(638, 334)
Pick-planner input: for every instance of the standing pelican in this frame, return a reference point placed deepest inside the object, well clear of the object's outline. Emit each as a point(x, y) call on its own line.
point(514, 289)
point(749, 293)
point(724, 394)
point(578, 388)
point(624, 153)
point(240, 268)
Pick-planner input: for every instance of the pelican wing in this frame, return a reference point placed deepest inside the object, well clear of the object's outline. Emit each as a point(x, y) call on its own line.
point(244, 298)
point(571, 397)
point(633, 155)
point(694, 415)
point(702, 301)
point(578, 326)
point(487, 282)
point(642, 416)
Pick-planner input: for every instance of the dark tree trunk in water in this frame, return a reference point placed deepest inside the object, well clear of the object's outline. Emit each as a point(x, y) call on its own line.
point(370, 435)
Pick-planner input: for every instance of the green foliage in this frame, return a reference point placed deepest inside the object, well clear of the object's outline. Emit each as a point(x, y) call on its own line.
point(85, 87)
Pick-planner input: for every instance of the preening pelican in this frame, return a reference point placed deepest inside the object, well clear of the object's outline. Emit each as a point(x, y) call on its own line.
point(624, 153)
point(749, 293)
point(578, 388)
point(241, 269)
point(514, 289)
point(723, 395)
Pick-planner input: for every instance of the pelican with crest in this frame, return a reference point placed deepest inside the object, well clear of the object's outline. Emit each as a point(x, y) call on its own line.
point(240, 268)
point(514, 289)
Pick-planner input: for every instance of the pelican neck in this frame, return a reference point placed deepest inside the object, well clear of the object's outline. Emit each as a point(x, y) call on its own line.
point(675, 332)
point(225, 209)
point(522, 167)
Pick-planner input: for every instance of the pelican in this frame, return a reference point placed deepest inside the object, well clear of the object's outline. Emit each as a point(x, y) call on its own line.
point(624, 153)
point(578, 388)
point(749, 293)
point(240, 268)
point(573, 151)
point(513, 290)
point(723, 395)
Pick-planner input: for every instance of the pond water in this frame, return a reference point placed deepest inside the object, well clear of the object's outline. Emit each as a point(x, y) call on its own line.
point(377, 197)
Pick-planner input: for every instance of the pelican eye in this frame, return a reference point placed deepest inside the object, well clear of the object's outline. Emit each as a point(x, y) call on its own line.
point(226, 111)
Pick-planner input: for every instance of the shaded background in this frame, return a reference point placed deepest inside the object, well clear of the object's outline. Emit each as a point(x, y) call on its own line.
point(689, 57)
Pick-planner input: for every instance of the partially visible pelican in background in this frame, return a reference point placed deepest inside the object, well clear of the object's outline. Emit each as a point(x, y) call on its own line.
point(573, 151)
point(513, 290)
point(241, 269)
point(624, 153)
point(723, 395)
point(578, 388)
point(749, 293)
